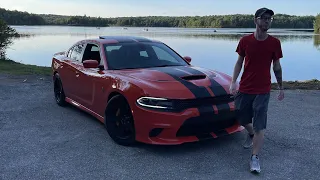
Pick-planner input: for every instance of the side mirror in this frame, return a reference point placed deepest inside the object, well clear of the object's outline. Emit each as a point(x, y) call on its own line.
point(90, 64)
point(187, 58)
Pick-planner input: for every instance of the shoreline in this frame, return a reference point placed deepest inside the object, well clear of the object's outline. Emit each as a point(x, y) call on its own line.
point(16, 70)
point(191, 27)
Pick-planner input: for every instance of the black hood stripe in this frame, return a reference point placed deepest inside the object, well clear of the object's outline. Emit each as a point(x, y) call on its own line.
point(206, 113)
point(215, 87)
point(198, 92)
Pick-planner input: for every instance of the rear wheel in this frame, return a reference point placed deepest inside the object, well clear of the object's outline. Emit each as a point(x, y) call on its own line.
point(58, 91)
point(119, 121)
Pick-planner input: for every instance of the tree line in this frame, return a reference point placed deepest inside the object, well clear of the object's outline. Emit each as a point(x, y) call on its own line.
point(212, 21)
point(20, 18)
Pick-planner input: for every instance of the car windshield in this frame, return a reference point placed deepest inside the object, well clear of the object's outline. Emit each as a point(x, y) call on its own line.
point(141, 55)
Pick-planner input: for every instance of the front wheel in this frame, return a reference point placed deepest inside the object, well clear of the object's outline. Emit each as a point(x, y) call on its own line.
point(119, 121)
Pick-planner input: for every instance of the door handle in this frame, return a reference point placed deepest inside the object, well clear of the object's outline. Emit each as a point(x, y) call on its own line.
point(77, 74)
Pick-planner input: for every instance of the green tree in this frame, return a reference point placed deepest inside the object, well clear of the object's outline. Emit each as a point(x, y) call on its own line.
point(20, 18)
point(317, 32)
point(317, 24)
point(6, 34)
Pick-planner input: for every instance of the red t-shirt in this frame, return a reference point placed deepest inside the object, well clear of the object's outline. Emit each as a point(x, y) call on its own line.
point(256, 77)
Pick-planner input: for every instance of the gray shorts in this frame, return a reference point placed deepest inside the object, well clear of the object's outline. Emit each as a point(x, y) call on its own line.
point(252, 108)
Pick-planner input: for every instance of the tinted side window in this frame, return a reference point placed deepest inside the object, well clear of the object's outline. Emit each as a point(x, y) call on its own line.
point(92, 52)
point(76, 54)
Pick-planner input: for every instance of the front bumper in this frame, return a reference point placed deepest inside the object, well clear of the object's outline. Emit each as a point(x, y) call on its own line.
point(190, 125)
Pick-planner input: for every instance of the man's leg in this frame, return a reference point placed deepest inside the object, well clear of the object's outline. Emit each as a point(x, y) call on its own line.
point(260, 110)
point(244, 104)
point(249, 128)
point(249, 138)
point(257, 142)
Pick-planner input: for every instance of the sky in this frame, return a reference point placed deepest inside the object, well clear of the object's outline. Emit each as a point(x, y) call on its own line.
point(121, 8)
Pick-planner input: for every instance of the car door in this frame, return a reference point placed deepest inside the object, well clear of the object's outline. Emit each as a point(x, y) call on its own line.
point(70, 72)
point(90, 79)
point(65, 74)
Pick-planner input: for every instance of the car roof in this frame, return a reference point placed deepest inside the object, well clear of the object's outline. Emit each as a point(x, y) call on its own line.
point(121, 39)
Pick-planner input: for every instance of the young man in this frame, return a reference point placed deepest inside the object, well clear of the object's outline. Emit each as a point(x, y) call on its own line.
point(259, 50)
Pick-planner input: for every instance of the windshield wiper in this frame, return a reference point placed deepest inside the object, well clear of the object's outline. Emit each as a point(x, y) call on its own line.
point(145, 67)
point(166, 65)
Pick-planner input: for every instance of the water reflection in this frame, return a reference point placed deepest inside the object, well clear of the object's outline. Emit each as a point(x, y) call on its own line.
point(227, 37)
point(230, 34)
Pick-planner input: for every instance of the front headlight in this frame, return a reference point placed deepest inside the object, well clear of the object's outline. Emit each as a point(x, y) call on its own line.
point(153, 102)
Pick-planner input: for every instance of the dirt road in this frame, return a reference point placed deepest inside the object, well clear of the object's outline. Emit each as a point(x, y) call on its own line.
point(40, 140)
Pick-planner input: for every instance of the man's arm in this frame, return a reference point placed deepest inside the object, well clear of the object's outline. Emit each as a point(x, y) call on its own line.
point(278, 72)
point(237, 69)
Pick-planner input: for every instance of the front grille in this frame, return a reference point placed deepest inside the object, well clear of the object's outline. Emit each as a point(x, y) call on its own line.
point(180, 105)
point(196, 126)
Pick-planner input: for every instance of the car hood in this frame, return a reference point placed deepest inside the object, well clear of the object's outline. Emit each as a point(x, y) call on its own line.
point(174, 77)
point(170, 73)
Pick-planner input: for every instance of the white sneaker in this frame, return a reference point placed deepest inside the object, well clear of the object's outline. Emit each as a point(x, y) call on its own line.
point(254, 164)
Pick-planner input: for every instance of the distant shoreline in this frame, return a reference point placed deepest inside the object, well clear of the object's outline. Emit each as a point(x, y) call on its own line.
point(292, 29)
point(208, 21)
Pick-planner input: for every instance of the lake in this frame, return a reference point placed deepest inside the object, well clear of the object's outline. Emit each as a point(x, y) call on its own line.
point(207, 48)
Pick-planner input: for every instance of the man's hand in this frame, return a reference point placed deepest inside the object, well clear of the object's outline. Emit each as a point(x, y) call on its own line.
point(233, 88)
point(278, 73)
point(236, 72)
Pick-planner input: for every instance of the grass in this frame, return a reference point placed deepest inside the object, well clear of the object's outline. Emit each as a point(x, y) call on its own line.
point(313, 84)
point(14, 68)
point(11, 67)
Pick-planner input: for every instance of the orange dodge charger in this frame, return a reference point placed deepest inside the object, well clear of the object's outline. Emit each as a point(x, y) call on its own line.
point(144, 91)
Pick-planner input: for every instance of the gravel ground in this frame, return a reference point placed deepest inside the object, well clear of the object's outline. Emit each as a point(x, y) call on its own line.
point(40, 140)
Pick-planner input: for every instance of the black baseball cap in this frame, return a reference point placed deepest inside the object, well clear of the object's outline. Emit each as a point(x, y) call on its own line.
point(261, 11)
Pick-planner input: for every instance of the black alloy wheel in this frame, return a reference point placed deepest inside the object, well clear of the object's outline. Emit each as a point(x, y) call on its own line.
point(58, 91)
point(119, 121)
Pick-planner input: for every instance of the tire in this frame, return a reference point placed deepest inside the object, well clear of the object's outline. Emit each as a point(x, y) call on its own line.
point(59, 92)
point(119, 121)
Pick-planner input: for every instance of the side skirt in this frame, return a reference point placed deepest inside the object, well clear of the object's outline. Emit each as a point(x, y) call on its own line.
point(81, 107)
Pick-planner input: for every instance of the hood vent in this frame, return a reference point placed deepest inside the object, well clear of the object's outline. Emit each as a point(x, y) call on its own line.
point(193, 77)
